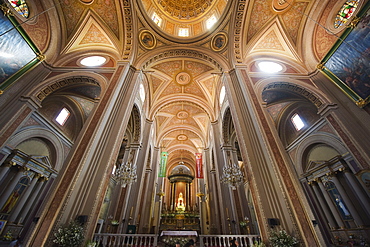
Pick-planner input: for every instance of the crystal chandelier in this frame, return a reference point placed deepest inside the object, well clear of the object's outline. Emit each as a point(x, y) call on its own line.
point(126, 174)
point(232, 175)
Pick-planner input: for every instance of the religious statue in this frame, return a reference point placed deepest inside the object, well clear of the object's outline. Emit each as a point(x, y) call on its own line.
point(180, 203)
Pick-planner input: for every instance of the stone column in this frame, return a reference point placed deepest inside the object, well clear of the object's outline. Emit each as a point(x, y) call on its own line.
point(266, 160)
point(25, 197)
point(31, 201)
point(323, 205)
point(358, 190)
point(91, 159)
point(188, 202)
point(221, 193)
point(331, 205)
point(4, 169)
point(347, 201)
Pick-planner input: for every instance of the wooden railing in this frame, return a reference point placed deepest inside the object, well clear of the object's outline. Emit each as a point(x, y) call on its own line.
point(152, 240)
point(224, 240)
point(125, 240)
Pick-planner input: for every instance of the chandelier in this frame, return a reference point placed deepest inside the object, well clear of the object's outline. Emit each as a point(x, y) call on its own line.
point(126, 174)
point(232, 175)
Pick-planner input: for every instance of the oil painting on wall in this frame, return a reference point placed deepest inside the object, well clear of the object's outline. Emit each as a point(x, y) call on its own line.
point(16, 54)
point(348, 63)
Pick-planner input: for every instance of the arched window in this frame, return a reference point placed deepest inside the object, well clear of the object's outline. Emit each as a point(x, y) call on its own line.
point(20, 6)
point(345, 13)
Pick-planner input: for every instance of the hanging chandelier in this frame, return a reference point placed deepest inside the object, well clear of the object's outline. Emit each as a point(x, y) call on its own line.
point(126, 174)
point(232, 175)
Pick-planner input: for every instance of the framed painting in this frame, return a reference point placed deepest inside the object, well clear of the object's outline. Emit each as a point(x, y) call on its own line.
point(17, 52)
point(348, 62)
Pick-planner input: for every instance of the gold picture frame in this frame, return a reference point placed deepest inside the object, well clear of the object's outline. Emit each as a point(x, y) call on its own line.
point(219, 42)
point(346, 64)
point(147, 39)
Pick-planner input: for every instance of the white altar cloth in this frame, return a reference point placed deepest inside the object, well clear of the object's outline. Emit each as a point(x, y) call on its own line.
point(179, 233)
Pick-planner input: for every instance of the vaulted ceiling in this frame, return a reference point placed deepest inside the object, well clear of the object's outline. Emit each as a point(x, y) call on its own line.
point(183, 91)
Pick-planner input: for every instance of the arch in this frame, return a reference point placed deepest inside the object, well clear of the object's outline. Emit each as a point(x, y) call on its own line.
point(188, 99)
point(227, 124)
point(214, 60)
point(58, 82)
point(293, 86)
point(318, 138)
point(136, 123)
point(36, 132)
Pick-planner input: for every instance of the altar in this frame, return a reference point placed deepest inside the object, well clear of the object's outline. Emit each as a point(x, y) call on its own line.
point(179, 233)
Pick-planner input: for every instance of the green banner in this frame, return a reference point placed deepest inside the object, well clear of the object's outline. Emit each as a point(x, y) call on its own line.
point(162, 165)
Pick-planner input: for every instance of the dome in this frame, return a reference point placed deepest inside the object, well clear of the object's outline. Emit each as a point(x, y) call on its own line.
point(185, 18)
point(181, 170)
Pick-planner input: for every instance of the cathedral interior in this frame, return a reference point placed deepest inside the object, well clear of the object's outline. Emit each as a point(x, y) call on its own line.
point(213, 117)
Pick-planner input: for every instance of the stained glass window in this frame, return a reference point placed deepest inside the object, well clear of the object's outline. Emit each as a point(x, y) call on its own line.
point(20, 6)
point(346, 12)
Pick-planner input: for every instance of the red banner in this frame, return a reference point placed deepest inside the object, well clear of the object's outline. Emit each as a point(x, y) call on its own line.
point(199, 167)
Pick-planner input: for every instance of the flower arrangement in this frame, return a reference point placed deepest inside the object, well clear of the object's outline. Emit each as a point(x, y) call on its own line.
point(243, 223)
point(258, 244)
point(71, 235)
point(8, 236)
point(91, 243)
point(171, 241)
point(114, 222)
point(282, 239)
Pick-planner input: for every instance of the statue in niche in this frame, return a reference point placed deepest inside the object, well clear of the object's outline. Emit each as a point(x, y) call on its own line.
point(180, 203)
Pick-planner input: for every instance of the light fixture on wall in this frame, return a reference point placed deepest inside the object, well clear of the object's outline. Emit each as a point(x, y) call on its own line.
point(126, 174)
point(232, 175)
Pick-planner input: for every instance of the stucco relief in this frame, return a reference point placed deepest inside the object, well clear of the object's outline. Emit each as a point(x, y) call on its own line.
point(324, 40)
point(172, 88)
point(155, 82)
point(169, 68)
point(270, 41)
point(39, 32)
point(260, 14)
point(73, 10)
point(293, 17)
point(94, 35)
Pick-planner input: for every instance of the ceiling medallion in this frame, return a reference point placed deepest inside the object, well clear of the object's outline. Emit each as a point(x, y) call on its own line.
point(182, 137)
point(219, 42)
point(282, 5)
point(183, 78)
point(147, 39)
point(182, 114)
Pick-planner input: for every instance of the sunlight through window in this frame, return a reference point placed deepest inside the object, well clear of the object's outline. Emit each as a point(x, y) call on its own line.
point(157, 20)
point(183, 32)
point(297, 121)
point(93, 61)
point(62, 116)
point(211, 21)
point(269, 67)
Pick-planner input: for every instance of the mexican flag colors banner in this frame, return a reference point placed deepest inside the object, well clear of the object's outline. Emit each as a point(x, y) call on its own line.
point(162, 164)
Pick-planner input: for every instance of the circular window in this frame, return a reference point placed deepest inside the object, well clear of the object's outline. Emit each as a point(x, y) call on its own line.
point(93, 61)
point(269, 67)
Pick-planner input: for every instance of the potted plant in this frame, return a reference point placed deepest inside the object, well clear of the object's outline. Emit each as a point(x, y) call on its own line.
point(71, 235)
point(282, 239)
